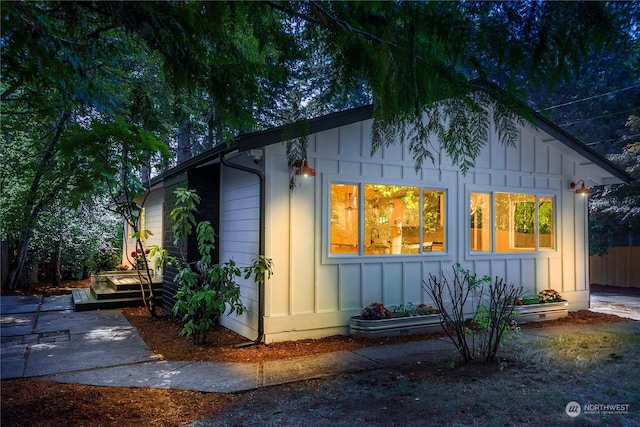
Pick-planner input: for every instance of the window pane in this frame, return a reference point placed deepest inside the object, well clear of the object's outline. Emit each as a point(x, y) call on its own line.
point(143, 225)
point(515, 222)
point(344, 218)
point(391, 219)
point(546, 238)
point(480, 231)
point(433, 223)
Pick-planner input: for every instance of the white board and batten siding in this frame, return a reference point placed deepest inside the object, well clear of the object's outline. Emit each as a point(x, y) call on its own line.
point(238, 239)
point(313, 294)
point(153, 222)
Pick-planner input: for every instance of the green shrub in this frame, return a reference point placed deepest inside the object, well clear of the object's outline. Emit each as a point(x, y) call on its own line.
point(207, 291)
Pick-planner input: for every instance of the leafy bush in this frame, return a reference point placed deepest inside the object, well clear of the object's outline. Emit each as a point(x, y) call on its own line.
point(208, 290)
point(105, 259)
point(477, 337)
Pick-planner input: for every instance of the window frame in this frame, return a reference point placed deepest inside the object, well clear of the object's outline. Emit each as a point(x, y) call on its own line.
point(330, 258)
point(493, 252)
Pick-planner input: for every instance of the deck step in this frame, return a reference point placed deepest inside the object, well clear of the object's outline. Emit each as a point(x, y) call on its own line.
point(127, 283)
point(83, 300)
point(101, 291)
point(114, 290)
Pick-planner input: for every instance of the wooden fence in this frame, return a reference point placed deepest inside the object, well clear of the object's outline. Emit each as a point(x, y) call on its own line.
point(619, 267)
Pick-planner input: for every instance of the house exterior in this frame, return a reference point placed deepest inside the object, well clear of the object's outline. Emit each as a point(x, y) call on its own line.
point(369, 228)
point(151, 218)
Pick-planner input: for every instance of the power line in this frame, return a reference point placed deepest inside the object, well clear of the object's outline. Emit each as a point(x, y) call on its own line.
point(598, 117)
point(587, 99)
point(611, 140)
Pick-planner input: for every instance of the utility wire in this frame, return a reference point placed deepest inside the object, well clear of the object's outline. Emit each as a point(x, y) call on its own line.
point(611, 140)
point(597, 117)
point(587, 99)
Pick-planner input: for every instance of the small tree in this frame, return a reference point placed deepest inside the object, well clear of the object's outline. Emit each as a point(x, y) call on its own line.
point(476, 337)
point(206, 290)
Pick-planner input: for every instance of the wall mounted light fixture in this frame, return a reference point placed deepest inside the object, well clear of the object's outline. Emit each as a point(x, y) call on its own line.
point(303, 168)
point(581, 190)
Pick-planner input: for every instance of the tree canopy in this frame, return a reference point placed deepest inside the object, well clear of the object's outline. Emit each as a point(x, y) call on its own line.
point(189, 75)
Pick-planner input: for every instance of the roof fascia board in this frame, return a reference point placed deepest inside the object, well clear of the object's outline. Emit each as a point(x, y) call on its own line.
point(254, 140)
point(192, 162)
point(260, 139)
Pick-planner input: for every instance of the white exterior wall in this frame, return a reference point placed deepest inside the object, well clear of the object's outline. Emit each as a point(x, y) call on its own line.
point(239, 239)
point(153, 212)
point(313, 294)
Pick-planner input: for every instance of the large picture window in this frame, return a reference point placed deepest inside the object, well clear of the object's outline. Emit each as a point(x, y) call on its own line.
point(395, 219)
point(521, 222)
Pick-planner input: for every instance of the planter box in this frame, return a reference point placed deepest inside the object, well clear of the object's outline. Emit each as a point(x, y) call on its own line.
point(395, 326)
point(541, 312)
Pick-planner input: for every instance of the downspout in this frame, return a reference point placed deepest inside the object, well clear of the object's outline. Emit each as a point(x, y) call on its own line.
point(261, 245)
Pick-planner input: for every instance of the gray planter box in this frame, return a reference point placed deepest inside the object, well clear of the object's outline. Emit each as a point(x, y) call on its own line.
point(395, 326)
point(541, 312)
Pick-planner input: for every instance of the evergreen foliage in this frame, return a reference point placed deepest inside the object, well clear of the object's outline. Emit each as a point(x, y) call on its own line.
point(195, 74)
point(614, 211)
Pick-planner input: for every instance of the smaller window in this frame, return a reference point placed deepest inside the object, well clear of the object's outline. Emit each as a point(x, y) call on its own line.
point(433, 214)
point(521, 222)
point(344, 218)
point(480, 221)
point(515, 222)
point(546, 233)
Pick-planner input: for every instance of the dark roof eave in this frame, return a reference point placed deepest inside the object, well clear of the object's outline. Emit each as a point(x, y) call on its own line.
point(192, 162)
point(254, 140)
point(260, 139)
point(263, 138)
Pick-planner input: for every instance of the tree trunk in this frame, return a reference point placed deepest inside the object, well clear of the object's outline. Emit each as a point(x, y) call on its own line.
point(17, 265)
point(184, 142)
point(57, 276)
point(4, 263)
point(33, 207)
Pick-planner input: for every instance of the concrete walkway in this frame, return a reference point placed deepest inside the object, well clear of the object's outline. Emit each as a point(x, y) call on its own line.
point(624, 302)
point(43, 338)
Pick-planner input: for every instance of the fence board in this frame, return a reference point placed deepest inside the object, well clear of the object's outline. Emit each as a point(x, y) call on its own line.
point(619, 267)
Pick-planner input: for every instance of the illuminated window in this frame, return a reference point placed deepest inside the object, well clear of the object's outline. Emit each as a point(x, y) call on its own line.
point(344, 218)
point(515, 222)
point(480, 220)
point(522, 222)
point(394, 222)
point(433, 214)
point(546, 229)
